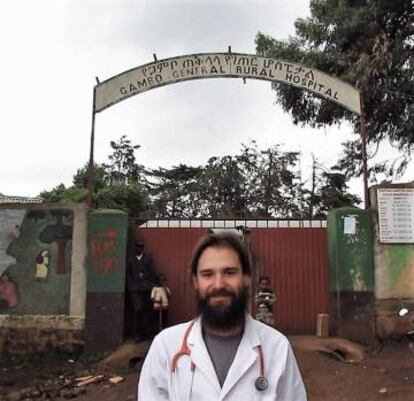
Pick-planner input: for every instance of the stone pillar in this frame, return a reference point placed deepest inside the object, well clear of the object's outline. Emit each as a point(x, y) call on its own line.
point(107, 239)
point(351, 274)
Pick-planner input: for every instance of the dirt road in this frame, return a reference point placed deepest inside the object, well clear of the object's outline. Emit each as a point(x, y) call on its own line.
point(386, 376)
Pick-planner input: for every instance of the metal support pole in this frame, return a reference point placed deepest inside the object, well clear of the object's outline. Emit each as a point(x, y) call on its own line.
point(363, 129)
point(91, 161)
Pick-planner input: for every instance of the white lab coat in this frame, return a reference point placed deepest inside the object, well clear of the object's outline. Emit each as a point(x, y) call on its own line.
point(157, 382)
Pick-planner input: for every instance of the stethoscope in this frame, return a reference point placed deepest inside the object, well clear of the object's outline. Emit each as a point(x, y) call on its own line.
point(261, 382)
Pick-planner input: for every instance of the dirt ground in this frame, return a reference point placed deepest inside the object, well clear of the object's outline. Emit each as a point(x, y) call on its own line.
point(388, 375)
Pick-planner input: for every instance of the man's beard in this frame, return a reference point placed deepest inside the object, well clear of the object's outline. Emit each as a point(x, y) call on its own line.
point(221, 317)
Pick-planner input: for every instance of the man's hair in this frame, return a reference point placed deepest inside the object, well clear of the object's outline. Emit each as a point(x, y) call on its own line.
point(217, 240)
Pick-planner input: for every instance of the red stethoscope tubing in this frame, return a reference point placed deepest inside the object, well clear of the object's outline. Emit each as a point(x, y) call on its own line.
point(184, 350)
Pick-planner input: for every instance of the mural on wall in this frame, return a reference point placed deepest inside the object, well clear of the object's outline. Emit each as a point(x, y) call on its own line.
point(107, 236)
point(35, 260)
point(42, 265)
point(59, 233)
point(10, 223)
point(104, 247)
point(8, 293)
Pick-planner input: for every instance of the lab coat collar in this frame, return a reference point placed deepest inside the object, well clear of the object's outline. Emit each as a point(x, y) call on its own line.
point(246, 356)
point(201, 357)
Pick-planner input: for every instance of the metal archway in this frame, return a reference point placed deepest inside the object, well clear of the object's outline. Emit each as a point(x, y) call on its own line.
point(224, 65)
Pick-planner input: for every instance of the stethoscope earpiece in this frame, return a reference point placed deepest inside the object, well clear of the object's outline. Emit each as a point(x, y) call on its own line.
point(261, 383)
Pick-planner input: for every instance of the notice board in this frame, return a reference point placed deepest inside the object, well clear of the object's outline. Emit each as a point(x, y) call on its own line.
point(396, 215)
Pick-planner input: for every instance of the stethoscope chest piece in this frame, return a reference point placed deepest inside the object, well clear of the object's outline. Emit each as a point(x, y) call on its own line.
point(261, 383)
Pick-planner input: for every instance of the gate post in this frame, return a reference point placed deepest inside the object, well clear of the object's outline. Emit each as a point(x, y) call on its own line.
point(351, 274)
point(104, 320)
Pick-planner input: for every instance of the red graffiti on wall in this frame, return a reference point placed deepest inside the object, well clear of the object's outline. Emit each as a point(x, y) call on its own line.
point(103, 248)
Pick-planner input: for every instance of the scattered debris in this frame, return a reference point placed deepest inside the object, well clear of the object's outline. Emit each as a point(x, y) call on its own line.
point(383, 390)
point(90, 380)
point(67, 387)
point(81, 379)
point(116, 379)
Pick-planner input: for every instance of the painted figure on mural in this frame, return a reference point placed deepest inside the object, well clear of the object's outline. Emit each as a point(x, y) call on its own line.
point(8, 293)
point(264, 299)
point(42, 265)
point(141, 277)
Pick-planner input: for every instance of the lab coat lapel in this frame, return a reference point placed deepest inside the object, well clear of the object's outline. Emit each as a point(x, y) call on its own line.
point(201, 357)
point(245, 357)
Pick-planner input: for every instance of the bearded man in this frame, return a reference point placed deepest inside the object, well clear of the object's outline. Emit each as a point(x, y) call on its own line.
point(223, 354)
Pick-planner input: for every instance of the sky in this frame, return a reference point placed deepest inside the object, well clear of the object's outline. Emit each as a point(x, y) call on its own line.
point(53, 50)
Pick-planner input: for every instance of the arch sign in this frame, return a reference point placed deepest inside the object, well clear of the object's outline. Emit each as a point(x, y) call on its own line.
point(223, 65)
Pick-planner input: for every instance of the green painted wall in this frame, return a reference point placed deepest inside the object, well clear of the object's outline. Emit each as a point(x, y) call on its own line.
point(350, 255)
point(394, 263)
point(107, 239)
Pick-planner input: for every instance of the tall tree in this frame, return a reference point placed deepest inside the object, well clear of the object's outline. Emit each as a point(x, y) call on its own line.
point(120, 184)
point(368, 43)
point(122, 166)
point(326, 191)
point(223, 188)
point(175, 191)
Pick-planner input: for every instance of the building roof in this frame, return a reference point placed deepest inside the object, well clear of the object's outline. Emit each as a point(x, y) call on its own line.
point(19, 199)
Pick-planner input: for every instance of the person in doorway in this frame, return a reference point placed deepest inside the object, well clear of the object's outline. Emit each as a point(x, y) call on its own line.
point(140, 279)
point(223, 354)
point(264, 299)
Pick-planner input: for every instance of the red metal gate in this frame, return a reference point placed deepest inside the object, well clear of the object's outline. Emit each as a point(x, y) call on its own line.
point(295, 258)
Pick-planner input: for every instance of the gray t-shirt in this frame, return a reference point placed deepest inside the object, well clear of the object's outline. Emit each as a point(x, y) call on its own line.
point(222, 351)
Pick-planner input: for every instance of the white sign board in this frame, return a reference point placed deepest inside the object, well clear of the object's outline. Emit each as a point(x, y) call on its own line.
point(227, 65)
point(350, 225)
point(396, 215)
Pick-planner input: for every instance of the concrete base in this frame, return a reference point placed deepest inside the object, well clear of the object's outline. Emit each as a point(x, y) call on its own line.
point(27, 334)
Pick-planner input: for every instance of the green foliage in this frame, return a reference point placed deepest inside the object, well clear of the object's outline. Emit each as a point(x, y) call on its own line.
point(122, 167)
point(131, 198)
point(61, 194)
point(251, 184)
point(80, 179)
point(120, 184)
point(368, 44)
point(328, 191)
point(175, 191)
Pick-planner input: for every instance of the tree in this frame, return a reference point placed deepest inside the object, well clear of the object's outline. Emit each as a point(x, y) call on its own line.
point(368, 44)
point(222, 188)
point(327, 191)
point(122, 167)
point(120, 184)
point(175, 191)
point(251, 184)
